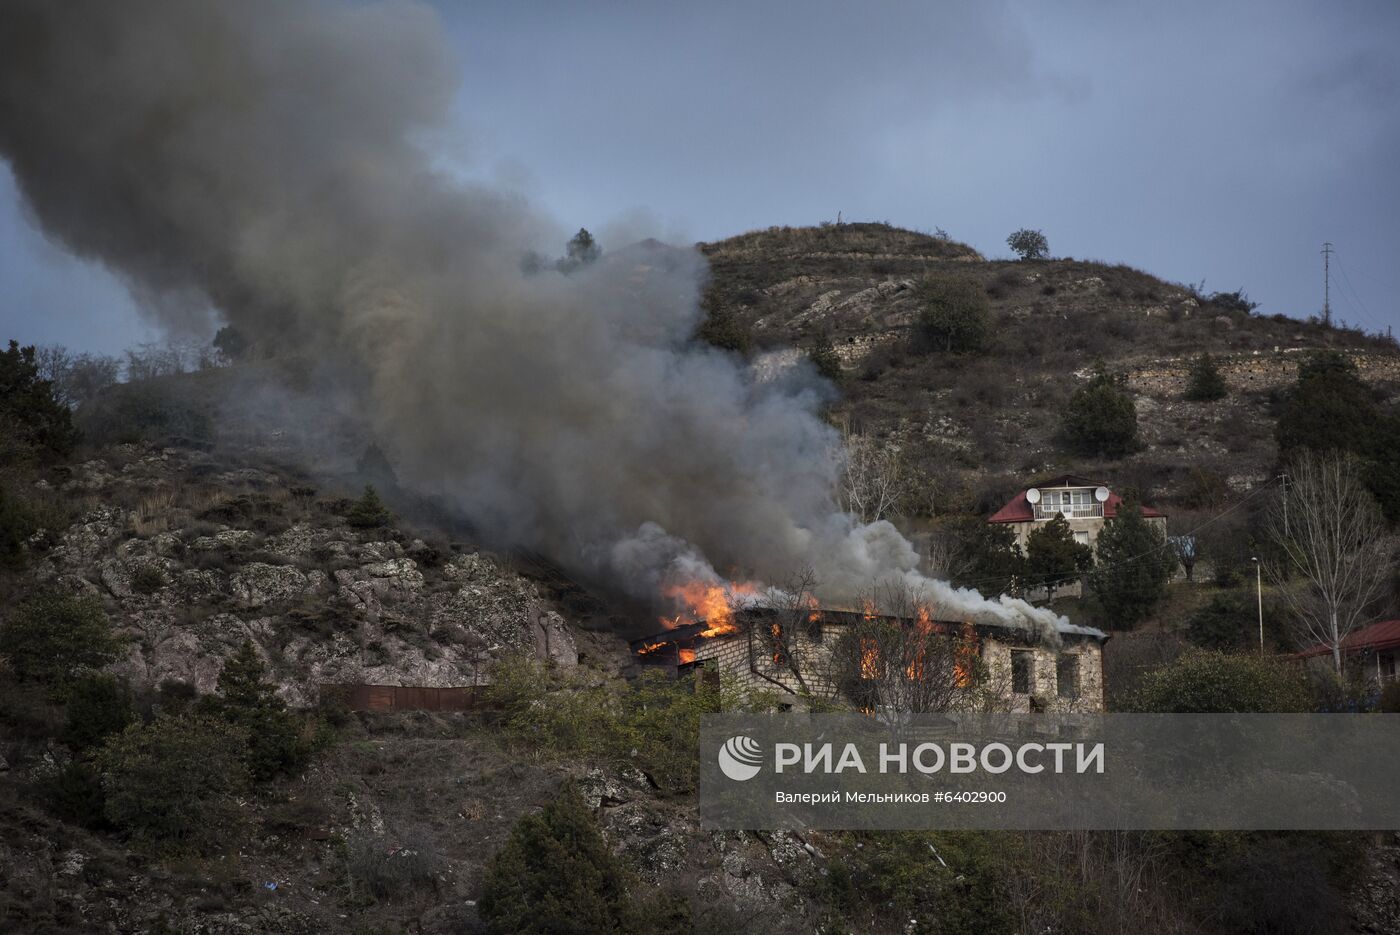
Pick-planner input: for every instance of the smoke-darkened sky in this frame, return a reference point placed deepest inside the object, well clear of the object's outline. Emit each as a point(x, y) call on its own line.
point(1209, 141)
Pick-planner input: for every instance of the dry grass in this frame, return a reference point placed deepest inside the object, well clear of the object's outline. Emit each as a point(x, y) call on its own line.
point(154, 513)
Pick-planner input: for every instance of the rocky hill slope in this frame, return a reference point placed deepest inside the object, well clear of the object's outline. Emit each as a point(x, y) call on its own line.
point(193, 557)
point(980, 426)
point(189, 553)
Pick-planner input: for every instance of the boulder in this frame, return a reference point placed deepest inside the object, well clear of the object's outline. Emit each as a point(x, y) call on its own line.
point(258, 584)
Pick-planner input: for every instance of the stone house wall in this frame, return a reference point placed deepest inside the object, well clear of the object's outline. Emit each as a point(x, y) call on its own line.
point(731, 655)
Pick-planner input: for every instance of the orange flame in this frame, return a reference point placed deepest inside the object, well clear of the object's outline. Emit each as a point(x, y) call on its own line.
point(687, 655)
point(869, 658)
point(965, 655)
point(923, 623)
point(710, 602)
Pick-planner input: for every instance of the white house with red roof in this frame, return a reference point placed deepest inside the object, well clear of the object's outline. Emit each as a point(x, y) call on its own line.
point(1085, 504)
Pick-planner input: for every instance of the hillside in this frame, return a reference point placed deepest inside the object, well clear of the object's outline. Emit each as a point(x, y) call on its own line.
point(978, 427)
point(205, 510)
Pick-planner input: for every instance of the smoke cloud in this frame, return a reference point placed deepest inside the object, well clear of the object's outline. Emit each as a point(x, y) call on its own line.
point(268, 159)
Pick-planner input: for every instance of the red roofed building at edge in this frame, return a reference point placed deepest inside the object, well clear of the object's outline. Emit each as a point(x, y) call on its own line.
point(1085, 504)
point(1373, 650)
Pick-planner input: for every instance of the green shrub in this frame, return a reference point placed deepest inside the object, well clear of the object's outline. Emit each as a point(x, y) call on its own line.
point(823, 356)
point(1268, 883)
point(231, 344)
point(1222, 624)
point(653, 723)
point(721, 328)
point(246, 700)
point(559, 714)
point(98, 706)
point(1206, 682)
point(556, 874)
point(31, 417)
point(146, 410)
point(16, 526)
point(171, 784)
point(659, 728)
point(52, 638)
point(381, 867)
point(74, 794)
point(950, 882)
point(1028, 244)
point(1100, 419)
point(148, 579)
point(955, 316)
point(1237, 302)
point(1205, 383)
point(1389, 702)
point(369, 511)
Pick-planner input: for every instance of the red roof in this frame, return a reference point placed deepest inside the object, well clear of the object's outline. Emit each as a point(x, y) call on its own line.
point(1375, 638)
point(1018, 508)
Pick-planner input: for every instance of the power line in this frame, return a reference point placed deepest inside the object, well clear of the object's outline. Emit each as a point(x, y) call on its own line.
point(1355, 295)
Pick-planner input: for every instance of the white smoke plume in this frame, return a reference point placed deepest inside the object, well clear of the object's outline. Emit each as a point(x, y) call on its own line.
point(266, 158)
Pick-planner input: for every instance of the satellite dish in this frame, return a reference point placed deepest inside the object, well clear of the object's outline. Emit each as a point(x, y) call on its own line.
point(1032, 496)
point(1101, 494)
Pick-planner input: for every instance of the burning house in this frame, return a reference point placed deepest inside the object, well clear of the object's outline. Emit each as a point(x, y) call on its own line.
point(872, 659)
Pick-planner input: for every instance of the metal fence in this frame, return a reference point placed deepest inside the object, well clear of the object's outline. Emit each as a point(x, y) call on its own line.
point(1077, 511)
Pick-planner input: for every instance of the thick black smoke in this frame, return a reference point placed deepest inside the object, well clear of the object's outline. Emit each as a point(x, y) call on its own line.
point(266, 158)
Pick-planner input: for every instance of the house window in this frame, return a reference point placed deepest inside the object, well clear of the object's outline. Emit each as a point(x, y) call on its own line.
point(1082, 537)
point(1067, 675)
point(1022, 671)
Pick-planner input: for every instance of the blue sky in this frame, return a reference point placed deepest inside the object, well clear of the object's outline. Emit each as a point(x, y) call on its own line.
point(1209, 141)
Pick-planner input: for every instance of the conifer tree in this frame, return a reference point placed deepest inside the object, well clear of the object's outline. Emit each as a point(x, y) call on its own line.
point(1053, 558)
point(247, 700)
point(369, 511)
point(556, 874)
point(1205, 383)
point(1135, 564)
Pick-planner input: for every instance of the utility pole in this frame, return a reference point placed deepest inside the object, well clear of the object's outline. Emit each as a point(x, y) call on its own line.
point(1327, 284)
point(1259, 590)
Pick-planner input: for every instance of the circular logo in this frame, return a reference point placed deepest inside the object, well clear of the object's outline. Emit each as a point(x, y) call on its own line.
point(740, 757)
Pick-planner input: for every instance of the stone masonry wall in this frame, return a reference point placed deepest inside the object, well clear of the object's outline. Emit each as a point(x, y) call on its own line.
point(731, 656)
point(1260, 371)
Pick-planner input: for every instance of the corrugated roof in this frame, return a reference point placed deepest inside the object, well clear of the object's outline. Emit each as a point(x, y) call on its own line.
point(1376, 637)
point(1018, 508)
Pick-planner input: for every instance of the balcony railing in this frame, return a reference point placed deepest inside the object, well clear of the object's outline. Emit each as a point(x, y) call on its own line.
point(1077, 511)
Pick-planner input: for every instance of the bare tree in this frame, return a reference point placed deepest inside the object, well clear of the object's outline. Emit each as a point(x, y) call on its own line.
point(76, 378)
point(1333, 547)
point(902, 660)
point(874, 481)
point(787, 632)
point(151, 361)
